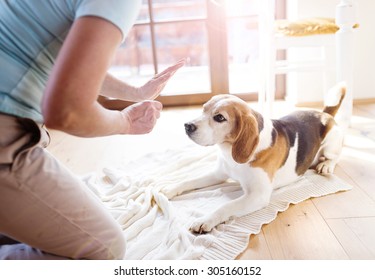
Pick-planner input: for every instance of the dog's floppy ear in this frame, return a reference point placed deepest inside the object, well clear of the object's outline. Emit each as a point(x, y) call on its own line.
point(246, 138)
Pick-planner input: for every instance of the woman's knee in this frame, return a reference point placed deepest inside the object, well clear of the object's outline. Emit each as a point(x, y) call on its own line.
point(109, 245)
point(118, 248)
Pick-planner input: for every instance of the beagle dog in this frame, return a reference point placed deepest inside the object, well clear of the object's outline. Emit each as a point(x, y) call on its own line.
point(260, 153)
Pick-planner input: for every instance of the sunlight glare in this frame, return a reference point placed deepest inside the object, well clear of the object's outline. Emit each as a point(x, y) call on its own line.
point(357, 154)
point(236, 7)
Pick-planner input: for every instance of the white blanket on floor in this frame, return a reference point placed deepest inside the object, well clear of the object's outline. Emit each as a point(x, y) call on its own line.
point(156, 228)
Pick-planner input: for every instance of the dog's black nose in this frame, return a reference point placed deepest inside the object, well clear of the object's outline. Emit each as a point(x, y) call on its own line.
point(190, 128)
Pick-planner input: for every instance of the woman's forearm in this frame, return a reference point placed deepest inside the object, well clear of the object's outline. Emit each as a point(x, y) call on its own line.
point(115, 88)
point(91, 121)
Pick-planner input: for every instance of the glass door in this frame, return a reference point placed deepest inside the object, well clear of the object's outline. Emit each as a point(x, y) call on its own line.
point(218, 37)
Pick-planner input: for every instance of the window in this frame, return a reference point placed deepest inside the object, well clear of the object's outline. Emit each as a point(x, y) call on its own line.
point(219, 38)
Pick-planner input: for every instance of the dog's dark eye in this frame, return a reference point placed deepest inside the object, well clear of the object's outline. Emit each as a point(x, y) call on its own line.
point(219, 118)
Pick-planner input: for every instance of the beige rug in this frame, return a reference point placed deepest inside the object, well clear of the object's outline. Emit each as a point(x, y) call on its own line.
point(156, 228)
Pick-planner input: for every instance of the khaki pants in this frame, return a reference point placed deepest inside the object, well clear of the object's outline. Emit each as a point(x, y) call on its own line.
point(44, 206)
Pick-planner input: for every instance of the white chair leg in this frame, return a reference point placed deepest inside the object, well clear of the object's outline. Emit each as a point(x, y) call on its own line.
point(345, 19)
point(267, 56)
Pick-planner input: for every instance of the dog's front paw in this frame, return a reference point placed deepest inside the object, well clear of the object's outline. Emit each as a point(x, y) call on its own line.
point(326, 167)
point(203, 225)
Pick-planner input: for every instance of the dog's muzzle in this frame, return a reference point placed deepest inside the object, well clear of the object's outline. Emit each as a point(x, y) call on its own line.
point(190, 128)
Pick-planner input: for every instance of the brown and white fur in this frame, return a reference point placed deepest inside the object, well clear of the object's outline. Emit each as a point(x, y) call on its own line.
point(261, 154)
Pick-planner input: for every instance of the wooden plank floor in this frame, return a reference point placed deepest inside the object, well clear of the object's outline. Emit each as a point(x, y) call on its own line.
point(337, 226)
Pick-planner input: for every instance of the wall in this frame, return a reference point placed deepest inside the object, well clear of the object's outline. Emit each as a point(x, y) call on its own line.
point(308, 87)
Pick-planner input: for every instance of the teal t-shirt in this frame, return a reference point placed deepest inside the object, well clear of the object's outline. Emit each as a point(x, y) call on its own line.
point(31, 35)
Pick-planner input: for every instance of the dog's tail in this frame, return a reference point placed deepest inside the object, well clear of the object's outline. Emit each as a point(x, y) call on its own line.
point(334, 99)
